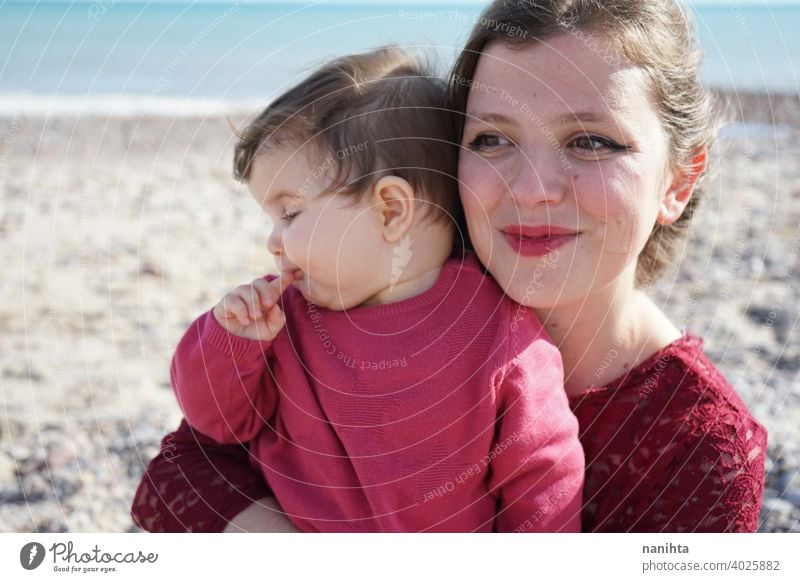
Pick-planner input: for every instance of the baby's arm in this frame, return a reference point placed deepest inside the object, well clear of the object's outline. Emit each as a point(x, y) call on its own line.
point(219, 368)
point(537, 460)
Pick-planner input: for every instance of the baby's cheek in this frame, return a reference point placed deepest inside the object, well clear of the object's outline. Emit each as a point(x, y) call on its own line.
point(297, 246)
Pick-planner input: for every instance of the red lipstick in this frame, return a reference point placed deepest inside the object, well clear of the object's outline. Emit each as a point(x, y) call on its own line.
point(537, 241)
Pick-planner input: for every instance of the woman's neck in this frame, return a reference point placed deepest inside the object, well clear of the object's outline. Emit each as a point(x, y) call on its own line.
point(606, 334)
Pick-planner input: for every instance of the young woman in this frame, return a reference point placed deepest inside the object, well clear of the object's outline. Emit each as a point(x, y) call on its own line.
point(584, 142)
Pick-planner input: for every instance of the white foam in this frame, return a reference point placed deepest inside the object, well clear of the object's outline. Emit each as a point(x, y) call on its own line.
point(122, 105)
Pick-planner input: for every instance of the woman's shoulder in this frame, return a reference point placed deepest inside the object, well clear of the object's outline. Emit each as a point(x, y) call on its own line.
point(682, 373)
point(681, 441)
point(682, 390)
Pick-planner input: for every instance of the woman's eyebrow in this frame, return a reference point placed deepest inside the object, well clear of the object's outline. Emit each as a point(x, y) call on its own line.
point(564, 118)
point(582, 117)
point(491, 118)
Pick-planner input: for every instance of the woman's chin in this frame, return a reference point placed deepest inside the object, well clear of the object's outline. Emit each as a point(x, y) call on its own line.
point(529, 285)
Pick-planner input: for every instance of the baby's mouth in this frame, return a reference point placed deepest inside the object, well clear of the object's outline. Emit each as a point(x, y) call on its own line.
point(295, 273)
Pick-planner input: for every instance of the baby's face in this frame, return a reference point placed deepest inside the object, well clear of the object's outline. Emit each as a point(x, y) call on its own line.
point(334, 241)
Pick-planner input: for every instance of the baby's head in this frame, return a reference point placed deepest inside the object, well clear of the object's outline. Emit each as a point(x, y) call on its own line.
point(356, 167)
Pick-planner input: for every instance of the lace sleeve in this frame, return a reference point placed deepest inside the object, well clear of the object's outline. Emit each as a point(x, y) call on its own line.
point(712, 483)
point(195, 485)
point(671, 448)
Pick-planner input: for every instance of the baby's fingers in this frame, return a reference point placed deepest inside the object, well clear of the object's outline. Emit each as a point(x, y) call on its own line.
point(276, 319)
point(253, 297)
point(235, 306)
point(271, 291)
point(282, 283)
point(264, 294)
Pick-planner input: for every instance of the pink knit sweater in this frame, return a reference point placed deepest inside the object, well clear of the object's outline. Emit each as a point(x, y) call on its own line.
point(442, 412)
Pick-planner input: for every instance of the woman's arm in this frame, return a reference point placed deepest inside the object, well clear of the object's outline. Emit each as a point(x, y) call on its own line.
point(263, 516)
point(195, 484)
point(714, 482)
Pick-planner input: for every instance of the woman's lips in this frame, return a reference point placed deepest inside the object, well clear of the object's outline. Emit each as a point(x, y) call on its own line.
point(537, 241)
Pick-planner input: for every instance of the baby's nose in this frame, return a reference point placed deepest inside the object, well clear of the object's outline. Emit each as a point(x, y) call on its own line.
point(275, 242)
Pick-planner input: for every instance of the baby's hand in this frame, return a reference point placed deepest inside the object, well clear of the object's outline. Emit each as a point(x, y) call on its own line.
point(252, 311)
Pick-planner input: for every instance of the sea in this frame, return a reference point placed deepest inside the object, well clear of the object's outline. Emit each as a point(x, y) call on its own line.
point(203, 53)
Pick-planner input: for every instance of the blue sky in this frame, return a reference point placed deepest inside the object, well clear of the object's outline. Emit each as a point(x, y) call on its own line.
point(473, 2)
point(421, 3)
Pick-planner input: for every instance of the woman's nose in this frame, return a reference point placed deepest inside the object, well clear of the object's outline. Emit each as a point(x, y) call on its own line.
point(540, 177)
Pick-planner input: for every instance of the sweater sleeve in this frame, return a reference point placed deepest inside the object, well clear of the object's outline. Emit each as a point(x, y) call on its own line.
point(195, 485)
point(222, 381)
point(537, 462)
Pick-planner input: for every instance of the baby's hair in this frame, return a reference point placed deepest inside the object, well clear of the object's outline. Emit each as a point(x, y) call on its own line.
point(369, 115)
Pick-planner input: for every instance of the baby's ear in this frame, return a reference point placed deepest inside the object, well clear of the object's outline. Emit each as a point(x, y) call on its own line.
point(394, 198)
point(680, 191)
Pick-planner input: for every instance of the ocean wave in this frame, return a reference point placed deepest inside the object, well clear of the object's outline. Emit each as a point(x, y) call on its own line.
point(122, 105)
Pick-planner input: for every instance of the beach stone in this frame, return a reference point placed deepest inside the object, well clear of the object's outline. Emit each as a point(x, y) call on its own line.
point(769, 465)
point(779, 507)
point(8, 469)
point(792, 495)
point(150, 269)
point(771, 308)
point(788, 479)
point(760, 314)
point(59, 457)
point(788, 362)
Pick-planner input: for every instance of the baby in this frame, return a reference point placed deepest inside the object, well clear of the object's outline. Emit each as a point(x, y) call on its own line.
point(382, 381)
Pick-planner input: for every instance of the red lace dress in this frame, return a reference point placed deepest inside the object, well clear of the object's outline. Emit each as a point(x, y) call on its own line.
point(670, 447)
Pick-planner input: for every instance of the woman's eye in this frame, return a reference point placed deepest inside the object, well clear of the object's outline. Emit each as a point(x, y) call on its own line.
point(597, 145)
point(485, 141)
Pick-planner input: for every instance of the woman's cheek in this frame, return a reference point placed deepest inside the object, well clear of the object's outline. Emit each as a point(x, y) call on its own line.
point(480, 191)
point(474, 175)
point(625, 219)
point(641, 213)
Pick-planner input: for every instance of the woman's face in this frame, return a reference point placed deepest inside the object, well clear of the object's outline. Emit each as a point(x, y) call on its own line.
point(563, 168)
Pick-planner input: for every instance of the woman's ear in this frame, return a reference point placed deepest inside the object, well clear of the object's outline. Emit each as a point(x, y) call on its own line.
point(394, 198)
point(680, 192)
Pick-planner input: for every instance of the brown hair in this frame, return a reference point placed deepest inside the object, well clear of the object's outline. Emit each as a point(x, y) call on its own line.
point(377, 113)
point(653, 34)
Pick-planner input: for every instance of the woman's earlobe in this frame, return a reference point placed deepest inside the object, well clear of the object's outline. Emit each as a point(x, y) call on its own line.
point(679, 194)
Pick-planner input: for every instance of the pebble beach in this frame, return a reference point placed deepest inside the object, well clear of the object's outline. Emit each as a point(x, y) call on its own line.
point(118, 230)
